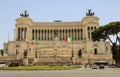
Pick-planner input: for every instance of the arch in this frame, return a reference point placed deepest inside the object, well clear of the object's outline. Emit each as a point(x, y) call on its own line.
point(94, 28)
point(91, 28)
point(80, 53)
point(88, 28)
point(95, 51)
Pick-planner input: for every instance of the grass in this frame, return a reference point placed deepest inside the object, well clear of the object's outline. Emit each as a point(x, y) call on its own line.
point(39, 68)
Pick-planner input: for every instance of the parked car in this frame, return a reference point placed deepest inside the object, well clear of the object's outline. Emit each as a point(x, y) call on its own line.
point(2, 64)
point(94, 67)
point(101, 67)
point(13, 65)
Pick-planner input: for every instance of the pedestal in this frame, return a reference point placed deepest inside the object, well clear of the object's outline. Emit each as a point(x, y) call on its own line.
point(25, 61)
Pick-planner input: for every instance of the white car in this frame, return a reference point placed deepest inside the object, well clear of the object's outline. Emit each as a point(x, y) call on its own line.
point(94, 67)
point(2, 64)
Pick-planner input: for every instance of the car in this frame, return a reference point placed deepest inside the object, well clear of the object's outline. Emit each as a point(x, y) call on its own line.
point(101, 67)
point(2, 64)
point(94, 67)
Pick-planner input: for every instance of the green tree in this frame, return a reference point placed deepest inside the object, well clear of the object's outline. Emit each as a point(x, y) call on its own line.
point(104, 32)
point(1, 52)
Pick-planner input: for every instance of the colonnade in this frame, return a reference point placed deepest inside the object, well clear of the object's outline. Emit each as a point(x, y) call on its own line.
point(40, 34)
point(21, 33)
point(90, 30)
point(48, 34)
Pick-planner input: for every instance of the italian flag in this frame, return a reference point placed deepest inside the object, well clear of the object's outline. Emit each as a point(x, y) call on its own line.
point(34, 41)
point(69, 39)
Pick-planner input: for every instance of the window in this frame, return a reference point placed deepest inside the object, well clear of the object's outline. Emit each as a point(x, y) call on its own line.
point(95, 51)
point(17, 46)
point(17, 52)
point(88, 28)
point(80, 53)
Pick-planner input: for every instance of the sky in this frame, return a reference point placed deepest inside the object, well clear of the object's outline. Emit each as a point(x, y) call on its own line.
point(50, 10)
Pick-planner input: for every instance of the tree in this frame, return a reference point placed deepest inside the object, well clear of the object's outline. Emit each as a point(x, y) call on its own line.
point(1, 52)
point(104, 32)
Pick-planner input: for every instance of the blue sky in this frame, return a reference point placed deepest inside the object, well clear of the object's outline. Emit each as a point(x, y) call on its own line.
point(49, 10)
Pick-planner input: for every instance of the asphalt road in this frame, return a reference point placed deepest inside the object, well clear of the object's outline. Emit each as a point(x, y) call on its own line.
point(82, 72)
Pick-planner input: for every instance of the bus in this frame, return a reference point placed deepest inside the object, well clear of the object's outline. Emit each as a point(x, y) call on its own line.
point(2, 64)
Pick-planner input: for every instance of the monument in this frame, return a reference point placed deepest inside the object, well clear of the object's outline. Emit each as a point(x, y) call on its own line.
point(51, 45)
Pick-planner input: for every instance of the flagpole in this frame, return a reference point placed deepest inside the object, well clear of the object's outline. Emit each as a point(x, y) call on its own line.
point(72, 49)
point(72, 52)
point(36, 50)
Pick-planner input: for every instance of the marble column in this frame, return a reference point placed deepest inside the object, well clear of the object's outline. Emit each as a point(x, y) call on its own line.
point(77, 34)
point(73, 34)
point(40, 34)
point(25, 33)
point(43, 34)
point(18, 34)
point(47, 35)
point(64, 34)
point(61, 34)
point(52, 34)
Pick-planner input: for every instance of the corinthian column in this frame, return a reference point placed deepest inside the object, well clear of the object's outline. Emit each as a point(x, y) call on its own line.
point(43, 34)
point(73, 35)
point(18, 33)
point(52, 34)
point(47, 35)
point(61, 34)
point(40, 34)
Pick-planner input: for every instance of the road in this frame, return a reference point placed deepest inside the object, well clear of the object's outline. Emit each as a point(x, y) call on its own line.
point(82, 72)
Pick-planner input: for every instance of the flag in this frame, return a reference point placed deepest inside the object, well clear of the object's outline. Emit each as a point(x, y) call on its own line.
point(34, 40)
point(69, 39)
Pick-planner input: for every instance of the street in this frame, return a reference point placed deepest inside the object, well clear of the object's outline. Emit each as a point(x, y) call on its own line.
point(82, 72)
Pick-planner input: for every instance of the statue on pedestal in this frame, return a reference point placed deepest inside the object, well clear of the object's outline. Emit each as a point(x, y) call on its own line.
point(25, 59)
point(25, 14)
point(89, 13)
point(56, 33)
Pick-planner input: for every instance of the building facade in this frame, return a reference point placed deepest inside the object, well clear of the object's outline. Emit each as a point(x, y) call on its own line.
point(44, 42)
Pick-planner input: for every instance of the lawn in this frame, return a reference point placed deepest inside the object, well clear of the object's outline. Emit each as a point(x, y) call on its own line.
point(39, 68)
